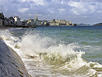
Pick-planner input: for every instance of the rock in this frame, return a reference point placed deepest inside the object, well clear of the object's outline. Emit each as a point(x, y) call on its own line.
point(10, 63)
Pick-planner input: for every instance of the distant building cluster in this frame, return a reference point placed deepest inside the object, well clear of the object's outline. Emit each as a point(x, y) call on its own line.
point(16, 22)
point(60, 22)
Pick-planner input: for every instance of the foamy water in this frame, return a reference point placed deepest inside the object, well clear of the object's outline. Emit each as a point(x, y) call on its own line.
point(43, 57)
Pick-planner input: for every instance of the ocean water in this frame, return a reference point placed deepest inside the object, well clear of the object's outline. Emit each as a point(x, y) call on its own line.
point(58, 51)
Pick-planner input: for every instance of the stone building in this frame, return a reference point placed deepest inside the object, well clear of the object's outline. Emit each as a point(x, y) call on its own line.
point(55, 22)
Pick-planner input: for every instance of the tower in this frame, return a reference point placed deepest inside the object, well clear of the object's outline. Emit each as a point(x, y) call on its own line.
point(36, 18)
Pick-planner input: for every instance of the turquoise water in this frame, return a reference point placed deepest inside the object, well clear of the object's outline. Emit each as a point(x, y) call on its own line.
point(88, 38)
point(59, 51)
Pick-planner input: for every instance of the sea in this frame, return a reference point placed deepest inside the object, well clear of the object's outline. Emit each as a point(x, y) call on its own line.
point(58, 51)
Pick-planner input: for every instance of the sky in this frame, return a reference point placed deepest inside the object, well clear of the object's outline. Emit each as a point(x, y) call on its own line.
point(77, 11)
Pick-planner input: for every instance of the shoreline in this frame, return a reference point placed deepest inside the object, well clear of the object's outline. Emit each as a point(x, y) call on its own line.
point(14, 26)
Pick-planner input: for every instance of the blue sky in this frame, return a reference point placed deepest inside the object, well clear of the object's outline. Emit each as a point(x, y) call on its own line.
point(78, 11)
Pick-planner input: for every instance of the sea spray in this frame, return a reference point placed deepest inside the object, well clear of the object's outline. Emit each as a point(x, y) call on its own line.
point(57, 59)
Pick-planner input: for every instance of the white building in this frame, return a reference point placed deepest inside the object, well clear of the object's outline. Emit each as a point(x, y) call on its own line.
point(17, 20)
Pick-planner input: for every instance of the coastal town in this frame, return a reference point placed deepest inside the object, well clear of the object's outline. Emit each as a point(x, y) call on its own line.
point(17, 22)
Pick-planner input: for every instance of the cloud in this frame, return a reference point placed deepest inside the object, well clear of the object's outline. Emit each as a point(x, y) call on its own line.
point(36, 2)
point(61, 10)
point(100, 11)
point(81, 7)
point(75, 10)
point(51, 11)
point(23, 10)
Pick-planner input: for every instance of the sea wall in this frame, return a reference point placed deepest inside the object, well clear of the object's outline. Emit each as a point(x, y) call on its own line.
point(10, 63)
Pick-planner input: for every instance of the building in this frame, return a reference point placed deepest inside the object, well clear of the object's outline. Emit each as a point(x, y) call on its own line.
point(30, 22)
point(17, 21)
point(44, 23)
point(36, 18)
point(11, 21)
point(24, 22)
point(6, 21)
point(37, 22)
point(55, 22)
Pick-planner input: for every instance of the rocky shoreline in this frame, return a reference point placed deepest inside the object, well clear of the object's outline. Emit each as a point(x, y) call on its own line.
point(10, 63)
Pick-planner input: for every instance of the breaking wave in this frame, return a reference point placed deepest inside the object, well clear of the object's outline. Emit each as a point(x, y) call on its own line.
point(44, 57)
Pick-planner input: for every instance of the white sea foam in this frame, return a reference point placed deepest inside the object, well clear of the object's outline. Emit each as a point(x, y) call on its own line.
point(43, 55)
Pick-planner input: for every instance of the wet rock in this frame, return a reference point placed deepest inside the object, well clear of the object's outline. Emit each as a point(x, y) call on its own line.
point(10, 63)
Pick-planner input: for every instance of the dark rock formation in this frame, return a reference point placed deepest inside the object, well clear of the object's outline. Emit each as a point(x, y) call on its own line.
point(10, 63)
point(99, 24)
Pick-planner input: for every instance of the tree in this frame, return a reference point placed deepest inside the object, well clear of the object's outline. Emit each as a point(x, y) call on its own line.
point(1, 16)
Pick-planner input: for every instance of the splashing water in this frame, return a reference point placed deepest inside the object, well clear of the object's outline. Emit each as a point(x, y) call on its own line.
point(43, 57)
